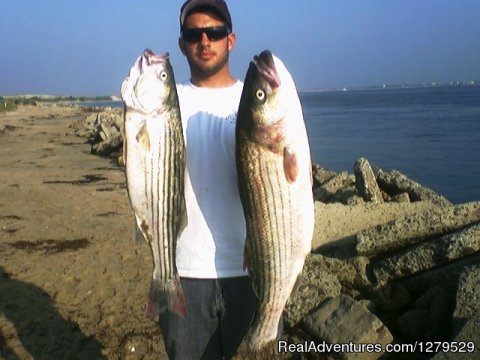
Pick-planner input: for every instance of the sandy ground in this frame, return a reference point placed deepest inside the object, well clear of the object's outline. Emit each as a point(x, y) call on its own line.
point(73, 284)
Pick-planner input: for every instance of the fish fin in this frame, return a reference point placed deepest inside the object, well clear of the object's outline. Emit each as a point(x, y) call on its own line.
point(247, 265)
point(246, 257)
point(138, 237)
point(272, 137)
point(145, 230)
point(166, 295)
point(290, 166)
point(142, 137)
point(141, 232)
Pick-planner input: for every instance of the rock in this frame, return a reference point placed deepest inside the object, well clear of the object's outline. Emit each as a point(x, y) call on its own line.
point(434, 308)
point(446, 276)
point(365, 182)
point(104, 130)
point(321, 175)
point(413, 228)
point(108, 146)
point(468, 297)
point(411, 326)
point(393, 183)
point(343, 320)
point(401, 198)
point(350, 272)
point(466, 343)
point(336, 225)
point(309, 296)
point(316, 286)
point(429, 254)
point(332, 186)
point(354, 200)
point(322, 278)
point(439, 300)
point(86, 127)
point(391, 297)
point(107, 131)
point(368, 304)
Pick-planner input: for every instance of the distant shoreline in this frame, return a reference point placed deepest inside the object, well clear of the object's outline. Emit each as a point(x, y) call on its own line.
point(75, 99)
point(453, 84)
point(11, 102)
point(54, 98)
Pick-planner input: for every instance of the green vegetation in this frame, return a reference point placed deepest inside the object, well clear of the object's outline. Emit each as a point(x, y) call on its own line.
point(9, 103)
point(52, 99)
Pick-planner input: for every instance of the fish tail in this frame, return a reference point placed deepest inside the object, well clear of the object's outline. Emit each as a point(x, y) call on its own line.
point(165, 295)
point(138, 237)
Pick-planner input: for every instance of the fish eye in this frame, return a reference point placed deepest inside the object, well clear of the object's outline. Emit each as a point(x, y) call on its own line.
point(260, 94)
point(163, 75)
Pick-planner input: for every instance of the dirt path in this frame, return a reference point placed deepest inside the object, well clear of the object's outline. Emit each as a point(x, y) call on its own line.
point(72, 283)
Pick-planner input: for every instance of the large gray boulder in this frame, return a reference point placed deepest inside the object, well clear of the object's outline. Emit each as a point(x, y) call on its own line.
point(366, 182)
point(343, 320)
point(413, 228)
point(468, 297)
point(465, 346)
point(429, 254)
point(394, 183)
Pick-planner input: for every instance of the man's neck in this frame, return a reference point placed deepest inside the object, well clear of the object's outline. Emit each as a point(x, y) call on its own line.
point(219, 80)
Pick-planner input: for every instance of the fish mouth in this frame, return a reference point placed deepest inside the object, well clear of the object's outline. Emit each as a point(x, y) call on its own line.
point(155, 59)
point(266, 67)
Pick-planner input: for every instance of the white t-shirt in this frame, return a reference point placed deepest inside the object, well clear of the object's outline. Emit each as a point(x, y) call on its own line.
point(211, 246)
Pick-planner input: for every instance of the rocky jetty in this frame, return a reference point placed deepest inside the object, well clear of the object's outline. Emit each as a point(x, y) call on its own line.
point(408, 272)
point(103, 130)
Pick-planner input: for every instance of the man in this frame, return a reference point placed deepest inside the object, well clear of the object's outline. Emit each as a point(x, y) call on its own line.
point(219, 296)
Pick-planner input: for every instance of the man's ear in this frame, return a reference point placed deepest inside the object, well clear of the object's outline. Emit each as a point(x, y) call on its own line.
point(181, 45)
point(232, 39)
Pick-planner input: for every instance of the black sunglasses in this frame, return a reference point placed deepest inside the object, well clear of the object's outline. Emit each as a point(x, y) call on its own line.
point(213, 33)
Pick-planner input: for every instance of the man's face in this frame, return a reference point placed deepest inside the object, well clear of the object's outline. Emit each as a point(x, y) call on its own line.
point(206, 57)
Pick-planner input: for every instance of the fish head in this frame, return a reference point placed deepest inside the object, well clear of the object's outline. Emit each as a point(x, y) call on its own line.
point(150, 84)
point(269, 106)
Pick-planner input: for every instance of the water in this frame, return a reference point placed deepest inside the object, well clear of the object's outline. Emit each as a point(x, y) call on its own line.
point(432, 135)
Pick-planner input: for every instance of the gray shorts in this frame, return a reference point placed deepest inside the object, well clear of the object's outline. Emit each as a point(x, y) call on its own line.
point(219, 313)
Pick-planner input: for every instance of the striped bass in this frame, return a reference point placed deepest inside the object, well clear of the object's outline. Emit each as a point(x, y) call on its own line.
point(275, 184)
point(154, 155)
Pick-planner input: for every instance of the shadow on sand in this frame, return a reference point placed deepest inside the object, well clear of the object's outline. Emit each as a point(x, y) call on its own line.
point(44, 333)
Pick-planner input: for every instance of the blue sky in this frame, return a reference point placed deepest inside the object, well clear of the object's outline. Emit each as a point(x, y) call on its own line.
point(73, 47)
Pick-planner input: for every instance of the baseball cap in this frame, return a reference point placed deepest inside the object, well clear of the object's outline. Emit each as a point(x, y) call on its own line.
point(219, 5)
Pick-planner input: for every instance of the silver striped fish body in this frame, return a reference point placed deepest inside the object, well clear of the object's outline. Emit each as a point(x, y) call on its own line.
point(275, 183)
point(154, 153)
